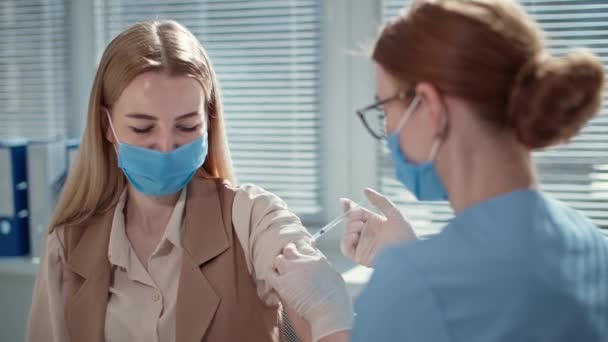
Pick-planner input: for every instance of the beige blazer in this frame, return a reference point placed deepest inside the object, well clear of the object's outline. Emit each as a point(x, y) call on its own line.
point(222, 292)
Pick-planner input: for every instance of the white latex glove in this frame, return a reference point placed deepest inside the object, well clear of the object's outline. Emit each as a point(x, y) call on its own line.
point(366, 232)
point(306, 281)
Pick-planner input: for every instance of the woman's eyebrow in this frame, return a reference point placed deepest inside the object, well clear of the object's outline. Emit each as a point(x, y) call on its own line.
point(187, 115)
point(154, 118)
point(142, 116)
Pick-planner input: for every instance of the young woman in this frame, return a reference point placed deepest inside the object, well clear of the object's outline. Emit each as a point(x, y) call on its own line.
point(150, 241)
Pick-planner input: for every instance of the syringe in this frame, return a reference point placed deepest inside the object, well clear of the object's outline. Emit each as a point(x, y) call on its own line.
point(331, 225)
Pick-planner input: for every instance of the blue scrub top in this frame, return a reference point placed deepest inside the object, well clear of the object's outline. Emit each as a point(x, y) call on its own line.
point(519, 267)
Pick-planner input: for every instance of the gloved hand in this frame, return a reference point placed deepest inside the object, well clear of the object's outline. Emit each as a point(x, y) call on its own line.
point(306, 281)
point(366, 232)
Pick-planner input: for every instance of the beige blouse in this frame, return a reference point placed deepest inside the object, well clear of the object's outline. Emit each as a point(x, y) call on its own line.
point(142, 303)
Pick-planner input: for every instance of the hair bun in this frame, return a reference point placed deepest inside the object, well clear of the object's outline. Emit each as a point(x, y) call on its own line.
point(553, 98)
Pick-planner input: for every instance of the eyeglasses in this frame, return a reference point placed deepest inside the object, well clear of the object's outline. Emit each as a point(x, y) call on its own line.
point(373, 116)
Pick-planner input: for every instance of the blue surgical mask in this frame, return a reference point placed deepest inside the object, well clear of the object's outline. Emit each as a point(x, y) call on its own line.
point(422, 179)
point(158, 173)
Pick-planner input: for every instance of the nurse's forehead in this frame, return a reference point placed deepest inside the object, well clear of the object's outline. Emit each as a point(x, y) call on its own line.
point(385, 83)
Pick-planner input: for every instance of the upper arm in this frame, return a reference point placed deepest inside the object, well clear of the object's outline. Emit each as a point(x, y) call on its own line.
point(264, 225)
point(397, 305)
point(46, 320)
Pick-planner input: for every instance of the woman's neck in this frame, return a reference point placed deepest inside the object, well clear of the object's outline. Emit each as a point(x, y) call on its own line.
point(493, 166)
point(150, 213)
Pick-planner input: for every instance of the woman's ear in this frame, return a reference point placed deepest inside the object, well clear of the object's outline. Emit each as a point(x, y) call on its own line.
point(106, 125)
point(434, 107)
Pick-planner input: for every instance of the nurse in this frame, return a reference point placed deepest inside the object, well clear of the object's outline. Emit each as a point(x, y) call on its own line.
point(469, 92)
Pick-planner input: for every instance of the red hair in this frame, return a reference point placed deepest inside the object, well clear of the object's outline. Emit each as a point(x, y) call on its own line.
point(490, 53)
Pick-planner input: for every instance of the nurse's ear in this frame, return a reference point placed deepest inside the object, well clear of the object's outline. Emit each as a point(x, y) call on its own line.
point(433, 107)
point(106, 125)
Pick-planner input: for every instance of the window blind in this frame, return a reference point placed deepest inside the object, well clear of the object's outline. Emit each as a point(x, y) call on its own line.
point(576, 173)
point(266, 56)
point(33, 63)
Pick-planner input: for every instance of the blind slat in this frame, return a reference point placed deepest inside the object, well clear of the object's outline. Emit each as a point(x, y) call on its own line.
point(34, 48)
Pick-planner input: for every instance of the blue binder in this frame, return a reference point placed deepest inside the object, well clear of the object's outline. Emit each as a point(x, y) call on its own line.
point(14, 217)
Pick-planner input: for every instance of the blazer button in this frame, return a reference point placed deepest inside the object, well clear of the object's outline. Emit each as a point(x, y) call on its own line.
point(156, 297)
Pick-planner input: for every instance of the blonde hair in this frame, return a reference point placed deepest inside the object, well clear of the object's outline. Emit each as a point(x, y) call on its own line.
point(95, 181)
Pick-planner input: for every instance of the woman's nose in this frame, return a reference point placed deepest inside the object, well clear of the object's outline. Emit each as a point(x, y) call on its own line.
point(165, 142)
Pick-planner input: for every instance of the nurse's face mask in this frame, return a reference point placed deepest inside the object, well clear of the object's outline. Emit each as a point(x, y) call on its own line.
point(158, 173)
point(421, 179)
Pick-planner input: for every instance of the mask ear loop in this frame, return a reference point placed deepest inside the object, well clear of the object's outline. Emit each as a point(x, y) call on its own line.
point(408, 112)
point(439, 138)
point(112, 128)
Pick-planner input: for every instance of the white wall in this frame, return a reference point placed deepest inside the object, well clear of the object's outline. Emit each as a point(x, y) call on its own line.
point(16, 286)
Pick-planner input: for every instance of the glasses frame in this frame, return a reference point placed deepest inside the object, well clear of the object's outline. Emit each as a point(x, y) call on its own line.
point(377, 106)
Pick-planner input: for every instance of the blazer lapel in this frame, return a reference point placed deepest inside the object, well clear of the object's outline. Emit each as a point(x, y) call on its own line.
point(88, 298)
point(203, 239)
